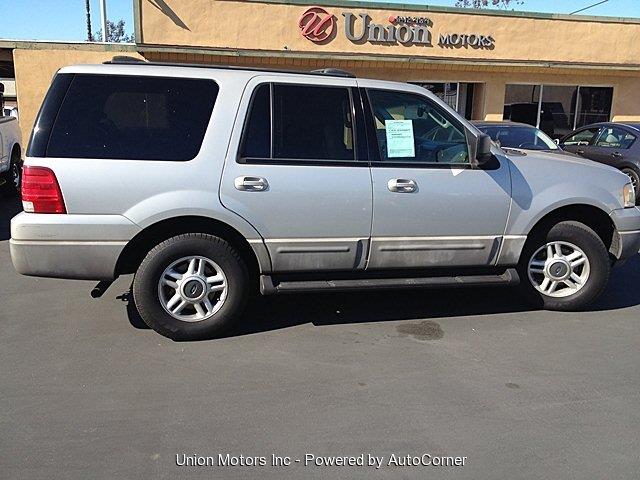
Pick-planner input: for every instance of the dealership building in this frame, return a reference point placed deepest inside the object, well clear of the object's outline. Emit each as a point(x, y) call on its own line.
point(555, 71)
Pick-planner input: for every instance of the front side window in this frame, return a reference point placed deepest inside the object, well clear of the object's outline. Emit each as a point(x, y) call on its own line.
point(410, 128)
point(132, 118)
point(613, 137)
point(583, 137)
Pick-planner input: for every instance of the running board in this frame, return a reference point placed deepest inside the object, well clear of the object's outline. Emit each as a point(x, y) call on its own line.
point(269, 287)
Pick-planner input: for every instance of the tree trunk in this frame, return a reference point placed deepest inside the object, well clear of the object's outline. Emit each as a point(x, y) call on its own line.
point(87, 4)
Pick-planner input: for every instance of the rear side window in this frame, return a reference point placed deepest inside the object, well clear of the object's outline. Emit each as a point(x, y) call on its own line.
point(312, 123)
point(299, 123)
point(132, 118)
point(257, 135)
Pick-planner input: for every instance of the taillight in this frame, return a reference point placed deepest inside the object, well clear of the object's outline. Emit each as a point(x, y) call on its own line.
point(40, 191)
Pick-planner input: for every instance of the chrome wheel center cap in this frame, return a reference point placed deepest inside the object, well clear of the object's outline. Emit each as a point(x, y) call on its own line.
point(193, 289)
point(559, 270)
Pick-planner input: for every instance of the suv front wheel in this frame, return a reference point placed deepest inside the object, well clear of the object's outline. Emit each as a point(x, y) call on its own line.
point(191, 286)
point(565, 269)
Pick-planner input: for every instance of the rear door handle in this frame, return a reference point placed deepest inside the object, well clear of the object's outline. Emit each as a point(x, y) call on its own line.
point(580, 152)
point(402, 185)
point(251, 184)
point(616, 155)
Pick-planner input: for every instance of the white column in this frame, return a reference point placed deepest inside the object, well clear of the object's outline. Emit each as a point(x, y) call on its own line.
point(103, 19)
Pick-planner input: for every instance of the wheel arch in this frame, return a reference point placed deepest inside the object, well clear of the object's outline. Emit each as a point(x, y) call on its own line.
point(593, 217)
point(16, 148)
point(137, 248)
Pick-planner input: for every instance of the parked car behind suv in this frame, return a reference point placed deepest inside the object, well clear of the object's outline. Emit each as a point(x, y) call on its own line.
point(207, 182)
point(609, 143)
point(10, 155)
point(519, 136)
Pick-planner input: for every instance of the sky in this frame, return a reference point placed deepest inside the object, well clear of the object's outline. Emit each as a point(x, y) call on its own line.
point(65, 19)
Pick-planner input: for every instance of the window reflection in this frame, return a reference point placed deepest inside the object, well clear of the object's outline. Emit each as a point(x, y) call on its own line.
point(557, 109)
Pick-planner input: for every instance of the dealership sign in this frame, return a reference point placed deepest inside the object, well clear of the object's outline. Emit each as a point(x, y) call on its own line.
point(316, 24)
point(320, 26)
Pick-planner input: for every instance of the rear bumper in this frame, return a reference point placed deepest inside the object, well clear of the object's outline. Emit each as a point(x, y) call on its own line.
point(69, 246)
point(627, 239)
point(79, 260)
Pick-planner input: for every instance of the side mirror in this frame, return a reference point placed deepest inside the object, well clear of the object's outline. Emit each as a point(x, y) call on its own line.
point(483, 149)
point(557, 140)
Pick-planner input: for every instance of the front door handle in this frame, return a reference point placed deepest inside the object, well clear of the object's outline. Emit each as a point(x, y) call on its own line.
point(616, 155)
point(251, 184)
point(402, 185)
point(580, 152)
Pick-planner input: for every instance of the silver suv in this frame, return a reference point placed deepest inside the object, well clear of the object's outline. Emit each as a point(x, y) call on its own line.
point(209, 182)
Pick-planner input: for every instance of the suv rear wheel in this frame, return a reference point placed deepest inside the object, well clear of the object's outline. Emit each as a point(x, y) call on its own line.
point(565, 269)
point(191, 286)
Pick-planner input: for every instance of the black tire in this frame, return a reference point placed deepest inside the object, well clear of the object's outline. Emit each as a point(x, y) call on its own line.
point(147, 297)
point(13, 176)
point(635, 179)
point(594, 249)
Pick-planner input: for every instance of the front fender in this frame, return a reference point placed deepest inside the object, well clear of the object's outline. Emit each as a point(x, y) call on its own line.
point(542, 184)
point(522, 220)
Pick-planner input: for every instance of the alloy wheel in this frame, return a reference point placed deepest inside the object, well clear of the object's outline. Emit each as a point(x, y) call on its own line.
point(559, 269)
point(192, 288)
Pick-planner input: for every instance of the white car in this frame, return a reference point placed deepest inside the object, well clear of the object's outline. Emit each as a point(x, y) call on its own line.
point(10, 154)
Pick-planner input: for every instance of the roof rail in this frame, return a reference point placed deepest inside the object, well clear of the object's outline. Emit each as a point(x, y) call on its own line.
point(333, 72)
point(125, 59)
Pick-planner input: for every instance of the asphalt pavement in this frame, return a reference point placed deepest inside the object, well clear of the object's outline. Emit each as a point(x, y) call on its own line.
point(87, 392)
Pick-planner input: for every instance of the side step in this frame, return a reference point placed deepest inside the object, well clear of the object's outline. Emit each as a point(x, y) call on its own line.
point(269, 287)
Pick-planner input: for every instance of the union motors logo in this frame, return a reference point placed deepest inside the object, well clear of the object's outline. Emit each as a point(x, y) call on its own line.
point(316, 24)
point(319, 26)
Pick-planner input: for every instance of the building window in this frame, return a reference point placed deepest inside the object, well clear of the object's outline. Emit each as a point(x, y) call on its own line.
point(557, 109)
point(458, 96)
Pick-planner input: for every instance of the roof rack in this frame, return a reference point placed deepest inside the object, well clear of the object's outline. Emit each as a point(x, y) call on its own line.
point(330, 72)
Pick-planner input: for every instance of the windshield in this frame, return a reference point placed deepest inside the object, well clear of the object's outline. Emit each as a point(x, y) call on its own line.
point(519, 136)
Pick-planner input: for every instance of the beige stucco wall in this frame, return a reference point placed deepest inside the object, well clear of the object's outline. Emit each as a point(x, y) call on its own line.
point(625, 107)
point(34, 70)
point(271, 26)
point(527, 50)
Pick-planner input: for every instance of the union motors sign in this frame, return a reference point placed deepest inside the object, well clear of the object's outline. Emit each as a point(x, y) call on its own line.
point(320, 26)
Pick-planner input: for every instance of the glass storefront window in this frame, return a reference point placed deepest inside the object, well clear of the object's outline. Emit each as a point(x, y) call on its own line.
point(594, 105)
point(521, 104)
point(458, 96)
point(552, 108)
point(558, 110)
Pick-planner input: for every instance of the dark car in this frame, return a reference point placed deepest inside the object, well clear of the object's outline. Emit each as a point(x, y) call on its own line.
point(519, 136)
point(610, 143)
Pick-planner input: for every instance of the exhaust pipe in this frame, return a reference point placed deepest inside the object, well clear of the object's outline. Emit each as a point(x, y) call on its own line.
point(100, 288)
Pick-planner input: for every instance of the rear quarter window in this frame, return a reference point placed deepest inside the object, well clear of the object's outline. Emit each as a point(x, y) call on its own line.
point(132, 118)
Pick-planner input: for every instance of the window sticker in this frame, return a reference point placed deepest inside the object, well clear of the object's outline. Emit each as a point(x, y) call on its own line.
point(399, 138)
